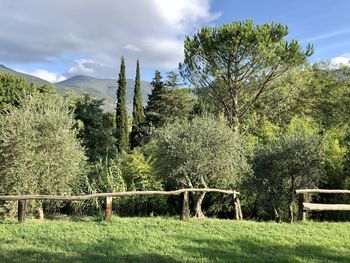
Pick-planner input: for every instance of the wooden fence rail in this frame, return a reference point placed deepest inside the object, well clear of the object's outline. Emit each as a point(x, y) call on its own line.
point(22, 199)
point(304, 206)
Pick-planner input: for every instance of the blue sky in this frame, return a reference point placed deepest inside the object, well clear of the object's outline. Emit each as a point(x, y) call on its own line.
point(324, 23)
point(55, 40)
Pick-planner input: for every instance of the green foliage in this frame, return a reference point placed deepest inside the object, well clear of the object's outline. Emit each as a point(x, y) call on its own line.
point(235, 63)
point(105, 176)
point(139, 172)
point(202, 152)
point(139, 175)
point(96, 128)
point(138, 115)
point(325, 97)
point(167, 103)
point(292, 160)
point(39, 151)
point(122, 131)
point(12, 91)
point(155, 107)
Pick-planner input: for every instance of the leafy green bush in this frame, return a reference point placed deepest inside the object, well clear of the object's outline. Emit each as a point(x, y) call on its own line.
point(291, 160)
point(39, 151)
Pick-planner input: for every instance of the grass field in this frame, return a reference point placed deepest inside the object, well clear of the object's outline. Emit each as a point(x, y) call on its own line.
point(171, 240)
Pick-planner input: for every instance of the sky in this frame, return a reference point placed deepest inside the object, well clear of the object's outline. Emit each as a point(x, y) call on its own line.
point(56, 40)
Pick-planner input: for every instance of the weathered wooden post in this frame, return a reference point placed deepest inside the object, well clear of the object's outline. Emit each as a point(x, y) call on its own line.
point(21, 211)
point(235, 205)
point(185, 213)
point(301, 213)
point(240, 215)
point(109, 201)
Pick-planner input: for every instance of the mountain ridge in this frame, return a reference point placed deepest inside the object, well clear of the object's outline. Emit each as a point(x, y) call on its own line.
point(105, 89)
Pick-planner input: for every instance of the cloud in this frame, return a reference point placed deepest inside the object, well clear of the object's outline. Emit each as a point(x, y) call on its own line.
point(96, 33)
point(340, 32)
point(343, 60)
point(83, 67)
point(132, 48)
point(52, 77)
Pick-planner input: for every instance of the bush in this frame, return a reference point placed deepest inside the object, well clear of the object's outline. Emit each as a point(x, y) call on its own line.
point(282, 164)
point(39, 151)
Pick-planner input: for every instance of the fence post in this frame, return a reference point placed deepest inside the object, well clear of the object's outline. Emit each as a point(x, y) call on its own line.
point(240, 215)
point(235, 205)
point(301, 212)
point(109, 201)
point(185, 213)
point(21, 211)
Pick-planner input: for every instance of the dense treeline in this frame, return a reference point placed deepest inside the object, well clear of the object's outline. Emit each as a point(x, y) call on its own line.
point(258, 118)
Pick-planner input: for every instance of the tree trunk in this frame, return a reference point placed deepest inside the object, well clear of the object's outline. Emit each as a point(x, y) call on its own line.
point(198, 208)
point(235, 119)
point(277, 216)
point(291, 198)
point(39, 212)
point(291, 215)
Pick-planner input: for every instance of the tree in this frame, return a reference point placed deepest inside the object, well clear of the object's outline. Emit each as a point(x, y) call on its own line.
point(283, 162)
point(12, 90)
point(96, 131)
point(167, 103)
point(155, 107)
point(138, 115)
point(199, 153)
point(173, 80)
point(39, 151)
point(122, 131)
point(139, 175)
point(237, 62)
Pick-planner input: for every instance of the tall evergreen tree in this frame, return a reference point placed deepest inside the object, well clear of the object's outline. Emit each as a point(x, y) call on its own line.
point(121, 114)
point(156, 105)
point(138, 115)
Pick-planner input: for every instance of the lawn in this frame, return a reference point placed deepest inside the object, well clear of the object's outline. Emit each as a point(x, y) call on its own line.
point(171, 240)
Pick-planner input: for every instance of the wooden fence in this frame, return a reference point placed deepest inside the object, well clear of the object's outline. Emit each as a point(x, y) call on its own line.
point(304, 206)
point(22, 199)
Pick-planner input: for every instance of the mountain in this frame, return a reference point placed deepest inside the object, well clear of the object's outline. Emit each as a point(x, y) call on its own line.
point(27, 77)
point(97, 88)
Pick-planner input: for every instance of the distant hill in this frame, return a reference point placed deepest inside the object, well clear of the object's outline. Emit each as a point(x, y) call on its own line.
point(27, 77)
point(97, 88)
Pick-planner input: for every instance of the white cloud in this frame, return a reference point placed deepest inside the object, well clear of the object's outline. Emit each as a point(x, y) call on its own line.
point(101, 31)
point(82, 67)
point(52, 77)
point(132, 48)
point(328, 35)
point(343, 60)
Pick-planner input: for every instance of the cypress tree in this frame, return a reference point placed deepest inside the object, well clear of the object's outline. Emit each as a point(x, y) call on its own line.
point(121, 114)
point(137, 111)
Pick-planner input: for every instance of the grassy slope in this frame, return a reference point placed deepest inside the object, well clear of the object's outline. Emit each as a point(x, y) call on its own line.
point(171, 240)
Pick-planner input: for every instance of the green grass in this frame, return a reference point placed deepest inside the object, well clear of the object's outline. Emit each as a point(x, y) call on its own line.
point(171, 240)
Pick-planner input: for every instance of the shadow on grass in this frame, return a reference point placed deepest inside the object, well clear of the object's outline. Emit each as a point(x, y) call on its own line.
point(115, 249)
point(253, 250)
point(112, 250)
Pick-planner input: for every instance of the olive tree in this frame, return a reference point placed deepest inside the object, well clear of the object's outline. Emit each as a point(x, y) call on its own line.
point(283, 163)
point(202, 153)
point(39, 151)
point(235, 63)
